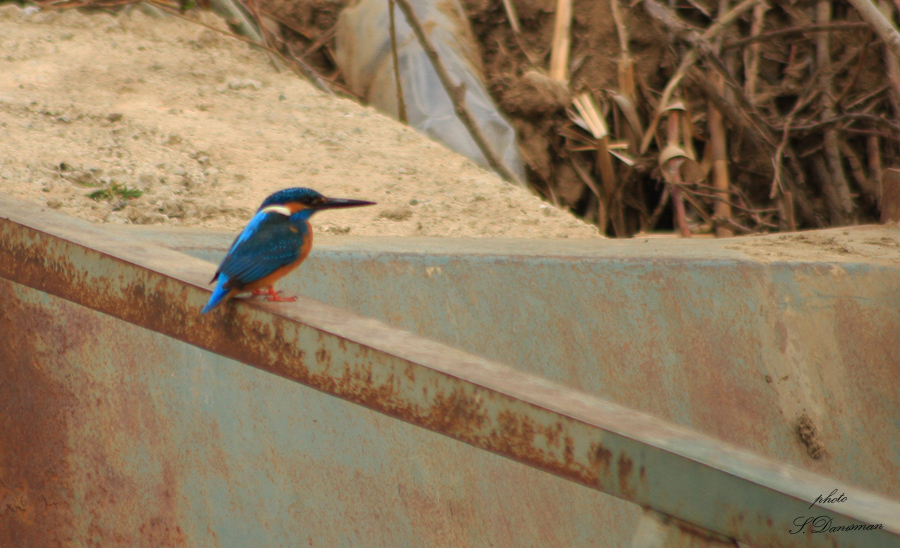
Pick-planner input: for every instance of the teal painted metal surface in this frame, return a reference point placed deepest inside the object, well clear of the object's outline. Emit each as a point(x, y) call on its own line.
point(569, 433)
point(737, 339)
point(143, 440)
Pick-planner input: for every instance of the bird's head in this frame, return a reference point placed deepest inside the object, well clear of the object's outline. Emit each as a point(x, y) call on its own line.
point(295, 200)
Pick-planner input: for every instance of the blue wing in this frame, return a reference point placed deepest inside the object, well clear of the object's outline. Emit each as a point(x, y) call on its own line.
point(269, 242)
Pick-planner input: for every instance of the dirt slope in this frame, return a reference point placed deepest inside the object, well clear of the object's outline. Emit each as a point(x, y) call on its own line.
point(206, 127)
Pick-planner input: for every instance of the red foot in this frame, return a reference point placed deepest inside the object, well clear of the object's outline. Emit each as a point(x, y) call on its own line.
point(274, 296)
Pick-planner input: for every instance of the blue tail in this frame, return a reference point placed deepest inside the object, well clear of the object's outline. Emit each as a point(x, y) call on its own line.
point(218, 295)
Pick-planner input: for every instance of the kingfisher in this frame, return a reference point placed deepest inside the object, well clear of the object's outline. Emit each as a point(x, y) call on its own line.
point(276, 241)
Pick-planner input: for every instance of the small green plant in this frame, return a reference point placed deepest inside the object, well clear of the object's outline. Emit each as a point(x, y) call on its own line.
point(115, 190)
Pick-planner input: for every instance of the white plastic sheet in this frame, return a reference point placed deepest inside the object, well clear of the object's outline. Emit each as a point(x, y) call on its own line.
point(364, 57)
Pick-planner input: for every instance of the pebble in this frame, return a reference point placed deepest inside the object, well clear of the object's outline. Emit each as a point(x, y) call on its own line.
point(396, 213)
point(244, 84)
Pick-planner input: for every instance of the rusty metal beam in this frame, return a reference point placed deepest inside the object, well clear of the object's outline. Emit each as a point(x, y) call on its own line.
point(672, 470)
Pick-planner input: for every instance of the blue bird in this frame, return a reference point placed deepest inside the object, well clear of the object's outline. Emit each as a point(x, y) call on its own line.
point(277, 240)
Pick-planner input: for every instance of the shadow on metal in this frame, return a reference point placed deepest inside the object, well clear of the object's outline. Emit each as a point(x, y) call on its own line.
point(710, 487)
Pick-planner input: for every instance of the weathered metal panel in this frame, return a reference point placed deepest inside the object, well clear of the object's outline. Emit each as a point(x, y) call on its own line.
point(568, 433)
point(113, 435)
point(738, 346)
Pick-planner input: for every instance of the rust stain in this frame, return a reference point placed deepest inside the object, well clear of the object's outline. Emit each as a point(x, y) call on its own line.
point(514, 428)
point(457, 412)
point(151, 300)
point(323, 356)
point(35, 495)
point(553, 434)
point(81, 416)
point(355, 384)
point(569, 451)
point(626, 466)
point(410, 373)
point(162, 529)
point(600, 458)
point(518, 437)
point(431, 510)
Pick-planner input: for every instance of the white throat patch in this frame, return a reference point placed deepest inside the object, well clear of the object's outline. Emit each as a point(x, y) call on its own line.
point(284, 210)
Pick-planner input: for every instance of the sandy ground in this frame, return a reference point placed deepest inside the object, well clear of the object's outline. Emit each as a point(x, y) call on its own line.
point(872, 244)
point(205, 128)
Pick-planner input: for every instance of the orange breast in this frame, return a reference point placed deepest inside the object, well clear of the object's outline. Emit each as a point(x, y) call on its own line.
point(268, 281)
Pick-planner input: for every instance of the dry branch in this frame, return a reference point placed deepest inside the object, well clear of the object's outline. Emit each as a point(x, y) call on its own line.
point(751, 55)
point(879, 23)
point(893, 67)
point(873, 153)
point(588, 110)
point(754, 129)
point(718, 134)
point(562, 40)
point(721, 180)
point(841, 206)
point(401, 104)
point(513, 17)
point(699, 41)
point(795, 31)
point(890, 196)
point(671, 160)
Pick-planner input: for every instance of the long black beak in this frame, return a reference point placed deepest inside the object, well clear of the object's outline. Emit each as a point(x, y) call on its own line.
point(335, 203)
